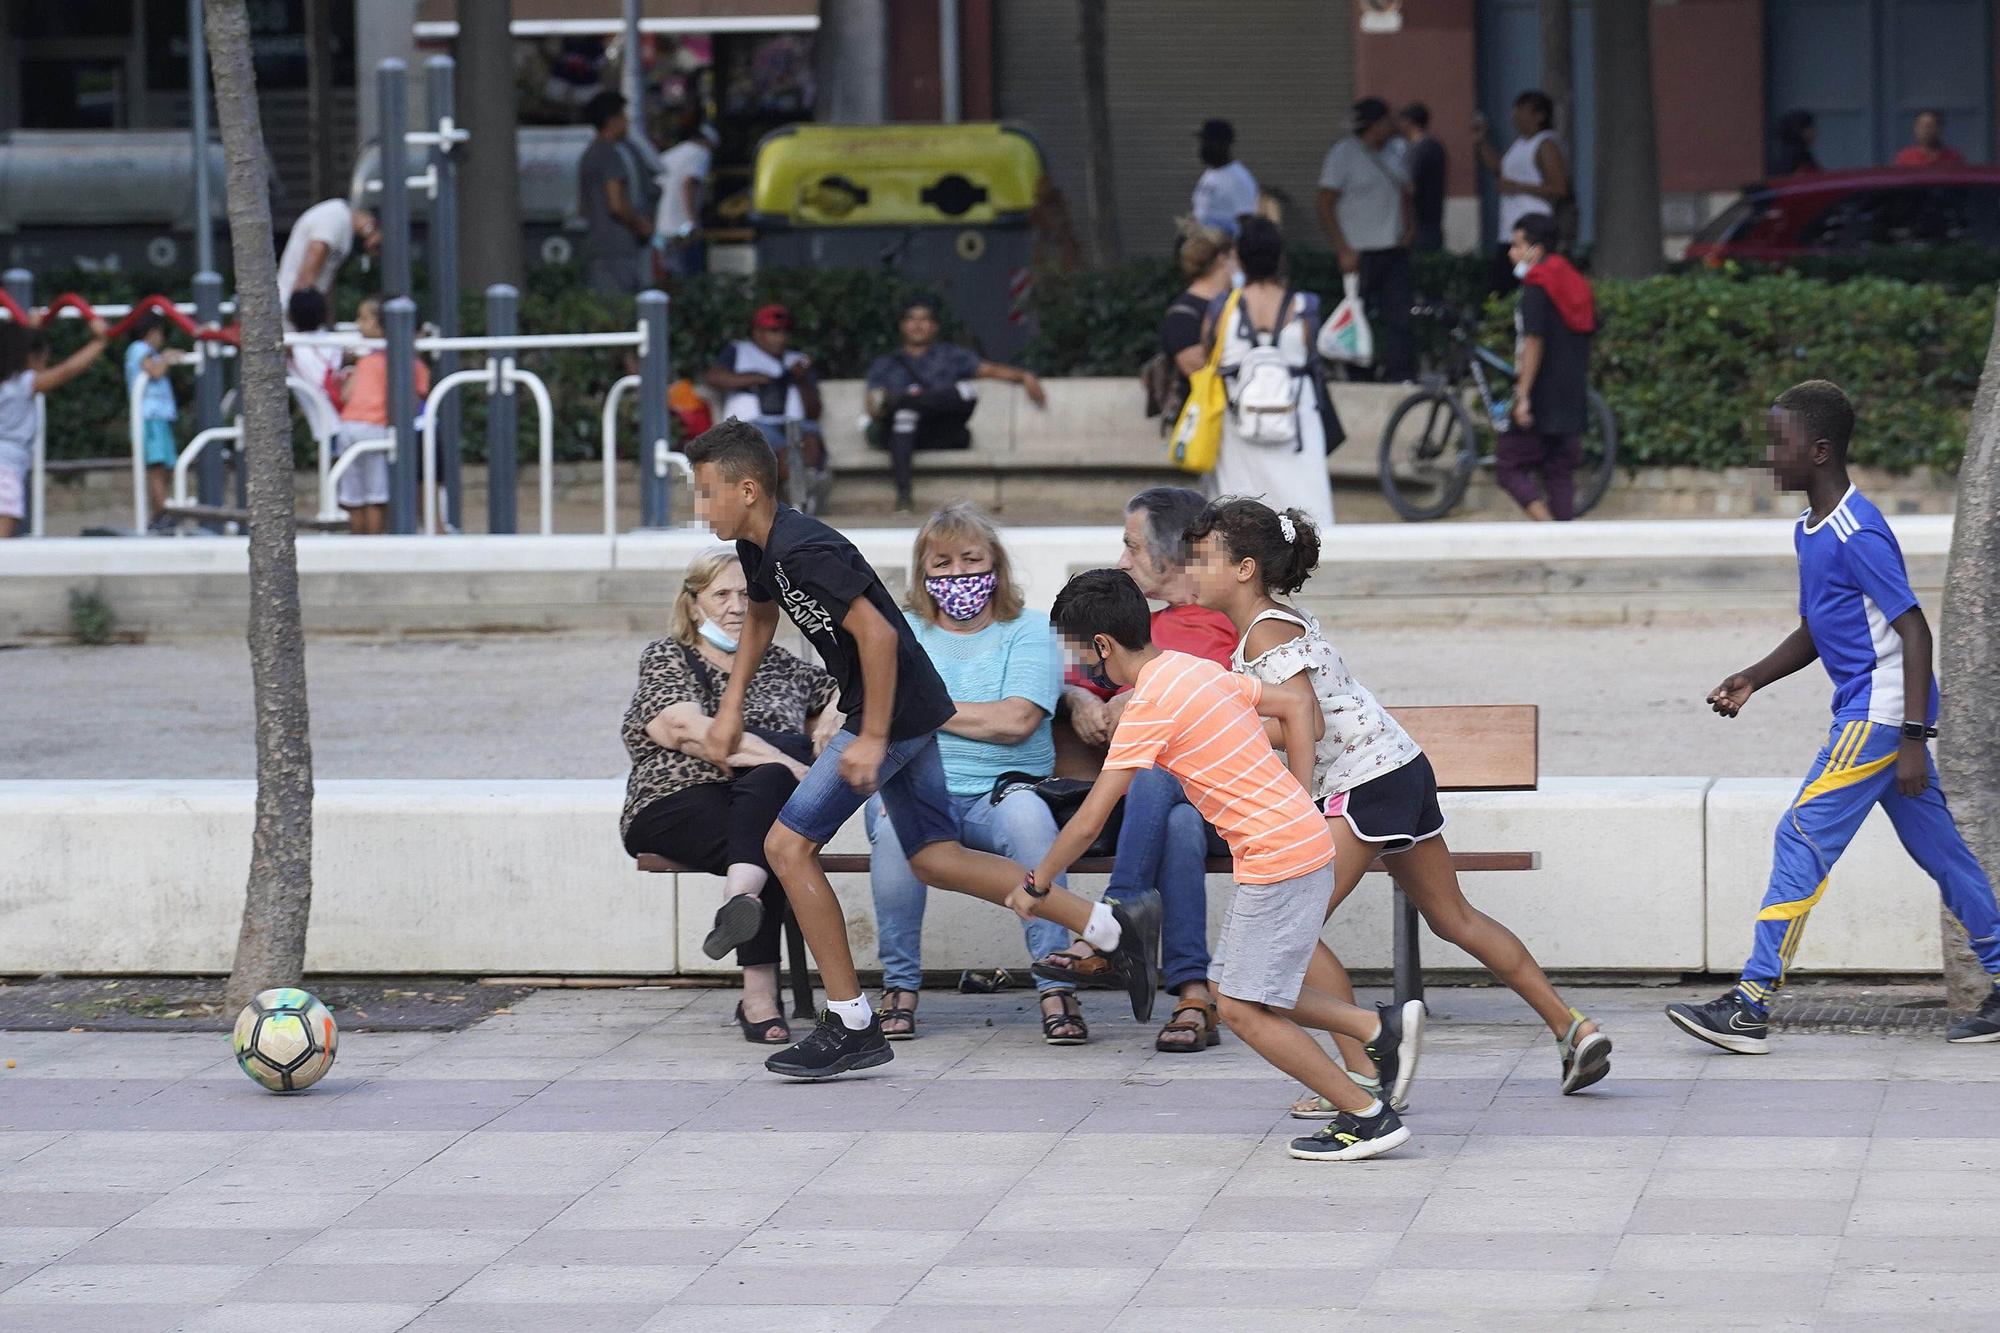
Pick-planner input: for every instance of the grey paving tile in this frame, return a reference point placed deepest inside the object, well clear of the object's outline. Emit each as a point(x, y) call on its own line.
point(189, 1245)
point(652, 1104)
point(1308, 1287)
point(1914, 1297)
point(434, 1211)
point(1464, 1292)
point(489, 1317)
point(407, 1245)
point(1712, 1293)
point(801, 1284)
point(1713, 1217)
point(70, 1317)
point(146, 1162)
point(1595, 1153)
point(1254, 1213)
point(766, 1318)
point(1920, 1217)
point(557, 1284)
point(424, 1104)
point(1727, 1254)
point(97, 1209)
point(302, 1317)
point(929, 1318)
point(1536, 1251)
point(1062, 1285)
point(321, 1283)
point(126, 1284)
point(18, 1143)
point(919, 1249)
point(1459, 1210)
point(689, 1160)
point(1764, 1153)
point(890, 1212)
point(1024, 1210)
point(1105, 1249)
point(1883, 1183)
point(39, 1245)
point(515, 1163)
point(1895, 1153)
point(272, 1207)
point(886, 1162)
point(1759, 1183)
point(772, 1103)
point(13, 1273)
point(1918, 1254)
point(620, 1207)
point(672, 1245)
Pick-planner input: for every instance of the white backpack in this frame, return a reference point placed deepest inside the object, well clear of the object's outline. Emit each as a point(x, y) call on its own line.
point(1266, 398)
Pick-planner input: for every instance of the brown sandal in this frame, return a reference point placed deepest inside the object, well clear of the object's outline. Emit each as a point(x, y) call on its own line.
point(1095, 972)
point(1203, 1027)
point(1065, 1027)
point(899, 1022)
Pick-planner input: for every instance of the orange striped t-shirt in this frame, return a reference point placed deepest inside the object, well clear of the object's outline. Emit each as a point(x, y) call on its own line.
point(1199, 722)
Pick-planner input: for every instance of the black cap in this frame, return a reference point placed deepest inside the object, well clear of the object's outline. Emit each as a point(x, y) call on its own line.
point(1369, 110)
point(1217, 129)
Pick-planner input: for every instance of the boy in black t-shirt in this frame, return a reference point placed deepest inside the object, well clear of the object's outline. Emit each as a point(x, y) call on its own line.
point(1553, 325)
point(894, 703)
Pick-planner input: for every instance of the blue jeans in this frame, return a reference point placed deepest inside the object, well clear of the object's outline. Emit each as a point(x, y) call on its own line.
point(1163, 845)
point(911, 780)
point(1020, 827)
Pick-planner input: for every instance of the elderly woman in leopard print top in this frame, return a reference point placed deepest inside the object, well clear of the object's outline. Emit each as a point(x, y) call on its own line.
point(712, 812)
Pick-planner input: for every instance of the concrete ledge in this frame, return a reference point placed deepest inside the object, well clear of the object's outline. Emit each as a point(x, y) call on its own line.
point(471, 877)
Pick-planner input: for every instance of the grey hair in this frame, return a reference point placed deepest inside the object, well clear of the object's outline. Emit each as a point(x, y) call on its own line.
point(1170, 511)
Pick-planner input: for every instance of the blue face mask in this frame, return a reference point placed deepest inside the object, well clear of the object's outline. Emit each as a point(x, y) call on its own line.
point(715, 636)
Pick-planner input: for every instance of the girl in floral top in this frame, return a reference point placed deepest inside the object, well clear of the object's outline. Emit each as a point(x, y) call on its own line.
point(682, 804)
point(1375, 785)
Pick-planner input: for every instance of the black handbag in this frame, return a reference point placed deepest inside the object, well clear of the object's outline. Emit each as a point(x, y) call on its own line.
point(1064, 797)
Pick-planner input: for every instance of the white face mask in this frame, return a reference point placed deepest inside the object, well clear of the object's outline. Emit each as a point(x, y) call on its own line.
point(708, 630)
point(1521, 270)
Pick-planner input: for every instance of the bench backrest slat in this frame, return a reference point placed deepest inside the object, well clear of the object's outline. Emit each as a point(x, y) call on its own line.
point(1479, 747)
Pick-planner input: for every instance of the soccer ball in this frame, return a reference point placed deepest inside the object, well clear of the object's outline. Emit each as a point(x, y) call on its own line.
point(285, 1039)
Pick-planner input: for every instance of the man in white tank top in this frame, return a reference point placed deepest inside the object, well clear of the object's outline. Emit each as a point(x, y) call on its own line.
point(1533, 174)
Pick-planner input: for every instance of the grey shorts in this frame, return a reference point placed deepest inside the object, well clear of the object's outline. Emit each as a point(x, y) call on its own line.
point(1268, 938)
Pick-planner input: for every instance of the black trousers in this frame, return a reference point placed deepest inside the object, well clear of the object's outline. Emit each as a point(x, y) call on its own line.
point(717, 825)
point(1388, 288)
point(906, 428)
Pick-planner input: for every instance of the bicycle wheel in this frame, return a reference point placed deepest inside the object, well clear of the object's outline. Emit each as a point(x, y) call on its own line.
point(1429, 449)
point(1600, 455)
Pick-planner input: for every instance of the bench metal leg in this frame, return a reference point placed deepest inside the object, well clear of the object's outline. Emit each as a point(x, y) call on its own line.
point(801, 969)
point(1409, 962)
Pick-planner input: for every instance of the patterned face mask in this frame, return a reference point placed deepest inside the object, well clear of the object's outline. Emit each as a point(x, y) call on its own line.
point(961, 596)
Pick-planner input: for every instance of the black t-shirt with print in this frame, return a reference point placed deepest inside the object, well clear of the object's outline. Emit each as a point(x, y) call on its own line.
point(815, 574)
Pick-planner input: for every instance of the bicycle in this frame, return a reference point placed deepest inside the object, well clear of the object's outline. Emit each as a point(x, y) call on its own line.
point(1431, 445)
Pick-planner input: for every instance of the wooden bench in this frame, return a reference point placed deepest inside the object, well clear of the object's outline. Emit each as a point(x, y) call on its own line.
point(1479, 747)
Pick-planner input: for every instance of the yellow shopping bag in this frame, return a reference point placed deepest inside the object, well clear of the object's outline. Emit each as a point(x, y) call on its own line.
point(1197, 439)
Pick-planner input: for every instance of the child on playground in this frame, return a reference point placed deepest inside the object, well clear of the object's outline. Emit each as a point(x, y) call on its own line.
point(364, 415)
point(25, 373)
point(148, 360)
point(1859, 618)
point(1201, 723)
point(895, 702)
point(1369, 778)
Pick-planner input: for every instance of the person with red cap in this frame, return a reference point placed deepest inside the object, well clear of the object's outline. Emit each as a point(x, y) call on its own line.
point(764, 382)
point(1553, 325)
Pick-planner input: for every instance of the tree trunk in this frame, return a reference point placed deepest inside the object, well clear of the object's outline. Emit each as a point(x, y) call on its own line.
point(1969, 665)
point(490, 176)
point(851, 62)
point(1628, 173)
point(1099, 190)
point(1557, 65)
point(271, 947)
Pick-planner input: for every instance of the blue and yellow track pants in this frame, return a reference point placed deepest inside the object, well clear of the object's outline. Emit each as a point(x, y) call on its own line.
point(1856, 772)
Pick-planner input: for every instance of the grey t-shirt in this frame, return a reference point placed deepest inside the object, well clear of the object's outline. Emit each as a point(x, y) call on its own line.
point(605, 237)
point(1371, 188)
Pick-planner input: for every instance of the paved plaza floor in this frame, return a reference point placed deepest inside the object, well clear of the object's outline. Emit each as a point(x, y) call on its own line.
point(617, 1160)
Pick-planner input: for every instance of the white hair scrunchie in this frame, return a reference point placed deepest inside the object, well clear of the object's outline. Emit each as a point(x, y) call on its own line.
point(1288, 529)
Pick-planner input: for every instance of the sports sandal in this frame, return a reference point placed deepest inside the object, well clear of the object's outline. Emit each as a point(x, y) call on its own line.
point(899, 1022)
point(737, 922)
point(1583, 1062)
point(1312, 1106)
point(1085, 972)
point(1065, 1027)
point(1202, 1026)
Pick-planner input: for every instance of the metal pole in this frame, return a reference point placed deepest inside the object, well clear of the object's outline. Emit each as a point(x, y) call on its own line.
point(443, 250)
point(399, 324)
point(632, 83)
point(948, 85)
point(502, 305)
point(390, 78)
point(204, 238)
point(208, 387)
point(20, 285)
point(655, 439)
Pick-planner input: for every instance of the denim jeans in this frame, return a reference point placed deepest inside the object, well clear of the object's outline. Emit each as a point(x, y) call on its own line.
point(911, 787)
point(1020, 827)
point(1163, 844)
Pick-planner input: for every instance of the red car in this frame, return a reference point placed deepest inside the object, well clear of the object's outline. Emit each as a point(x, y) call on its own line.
point(1832, 211)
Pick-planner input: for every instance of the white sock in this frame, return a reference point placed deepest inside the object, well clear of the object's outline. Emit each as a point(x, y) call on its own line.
point(1368, 1112)
point(854, 1014)
point(1102, 934)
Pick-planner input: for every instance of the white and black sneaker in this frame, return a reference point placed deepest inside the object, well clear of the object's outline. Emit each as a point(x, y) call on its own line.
point(1395, 1049)
point(1727, 1021)
point(1982, 1024)
point(1350, 1138)
point(832, 1048)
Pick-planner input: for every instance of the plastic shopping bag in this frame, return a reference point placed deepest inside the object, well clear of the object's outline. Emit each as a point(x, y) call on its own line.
point(1346, 336)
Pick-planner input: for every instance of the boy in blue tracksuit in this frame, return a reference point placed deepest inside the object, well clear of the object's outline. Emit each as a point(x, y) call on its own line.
point(1859, 618)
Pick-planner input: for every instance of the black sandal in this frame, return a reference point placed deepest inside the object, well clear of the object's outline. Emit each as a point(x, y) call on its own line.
point(737, 922)
point(899, 1023)
point(770, 1032)
point(1066, 1028)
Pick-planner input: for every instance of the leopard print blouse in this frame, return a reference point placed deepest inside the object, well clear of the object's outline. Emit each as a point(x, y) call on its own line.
point(784, 693)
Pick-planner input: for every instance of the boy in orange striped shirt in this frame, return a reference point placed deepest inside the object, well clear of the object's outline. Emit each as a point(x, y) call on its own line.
point(1203, 724)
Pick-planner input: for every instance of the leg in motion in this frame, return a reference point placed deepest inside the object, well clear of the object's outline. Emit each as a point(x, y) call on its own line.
point(1930, 835)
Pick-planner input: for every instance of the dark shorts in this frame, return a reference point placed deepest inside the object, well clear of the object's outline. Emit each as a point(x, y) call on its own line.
point(911, 780)
point(1398, 810)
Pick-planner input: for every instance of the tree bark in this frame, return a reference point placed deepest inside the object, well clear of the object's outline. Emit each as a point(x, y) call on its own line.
point(1099, 186)
point(851, 62)
point(1628, 172)
point(490, 176)
point(1969, 665)
point(271, 946)
point(1558, 62)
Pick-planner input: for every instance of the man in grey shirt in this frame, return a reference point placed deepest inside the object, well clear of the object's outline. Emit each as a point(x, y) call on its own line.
point(1364, 209)
point(610, 187)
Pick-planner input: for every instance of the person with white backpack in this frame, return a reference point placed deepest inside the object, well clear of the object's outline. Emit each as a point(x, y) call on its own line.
point(1273, 436)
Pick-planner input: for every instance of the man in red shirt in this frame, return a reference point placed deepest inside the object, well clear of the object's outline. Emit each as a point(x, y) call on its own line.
point(1163, 841)
point(1930, 149)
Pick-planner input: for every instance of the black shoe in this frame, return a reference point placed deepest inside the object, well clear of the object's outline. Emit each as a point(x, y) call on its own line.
point(1726, 1021)
point(737, 922)
point(1394, 1049)
point(1982, 1024)
point(833, 1048)
point(1349, 1138)
point(1138, 920)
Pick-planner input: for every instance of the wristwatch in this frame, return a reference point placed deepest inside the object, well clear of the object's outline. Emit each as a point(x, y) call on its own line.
point(1917, 731)
point(1028, 885)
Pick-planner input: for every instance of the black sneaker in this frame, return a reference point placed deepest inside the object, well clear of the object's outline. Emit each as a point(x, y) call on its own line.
point(1394, 1050)
point(1982, 1024)
point(1349, 1138)
point(1726, 1021)
point(1138, 920)
point(832, 1048)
